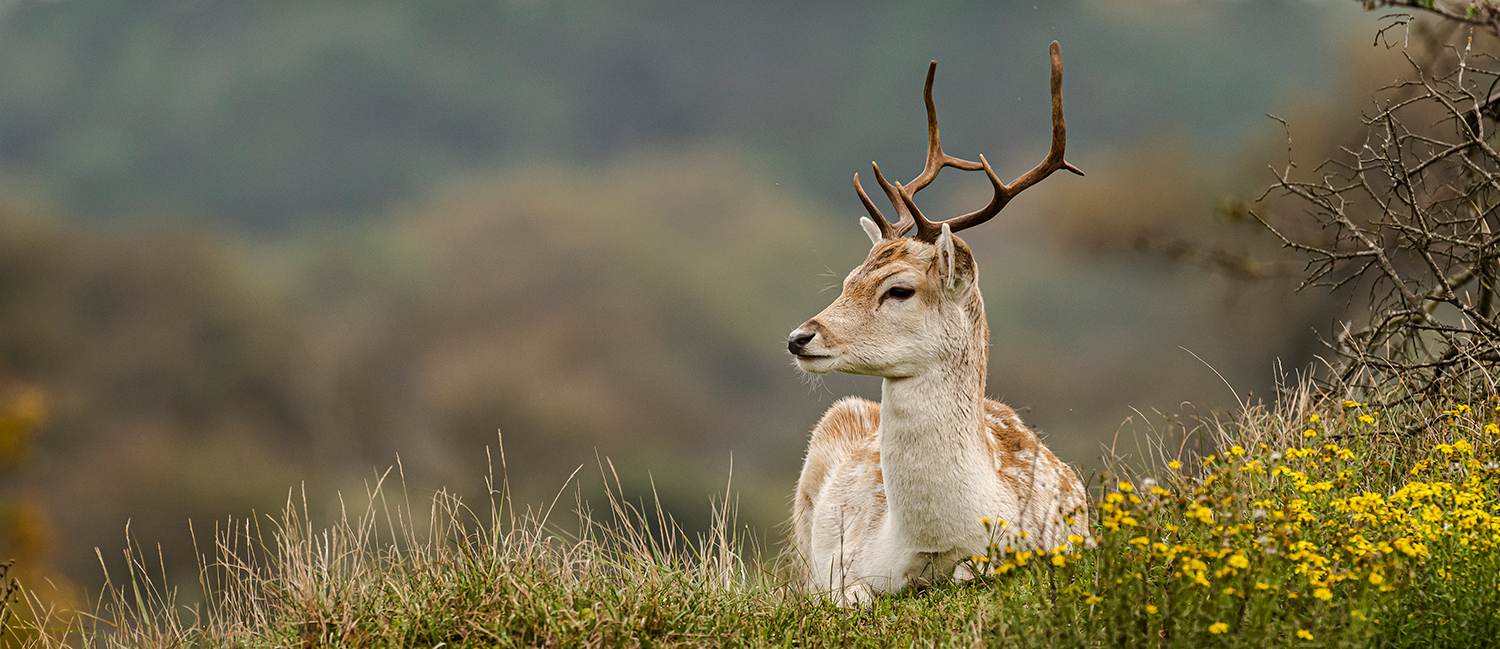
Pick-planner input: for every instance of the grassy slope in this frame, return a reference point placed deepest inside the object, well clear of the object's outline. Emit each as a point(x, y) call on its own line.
point(1313, 524)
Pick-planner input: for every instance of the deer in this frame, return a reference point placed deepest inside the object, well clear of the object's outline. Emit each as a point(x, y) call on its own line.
point(908, 492)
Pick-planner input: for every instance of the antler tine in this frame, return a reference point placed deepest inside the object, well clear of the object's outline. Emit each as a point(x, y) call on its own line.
point(1053, 161)
point(894, 192)
point(886, 231)
point(936, 159)
point(926, 230)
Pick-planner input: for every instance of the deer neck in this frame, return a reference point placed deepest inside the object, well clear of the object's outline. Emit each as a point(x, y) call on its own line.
point(938, 474)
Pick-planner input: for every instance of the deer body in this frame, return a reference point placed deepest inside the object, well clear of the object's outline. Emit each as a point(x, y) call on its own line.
point(892, 494)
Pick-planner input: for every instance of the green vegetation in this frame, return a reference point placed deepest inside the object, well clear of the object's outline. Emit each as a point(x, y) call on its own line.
point(1316, 523)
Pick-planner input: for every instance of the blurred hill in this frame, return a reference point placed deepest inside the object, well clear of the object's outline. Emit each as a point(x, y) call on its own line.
point(274, 116)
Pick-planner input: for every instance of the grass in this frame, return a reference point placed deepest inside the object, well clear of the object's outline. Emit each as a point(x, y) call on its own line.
point(1308, 523)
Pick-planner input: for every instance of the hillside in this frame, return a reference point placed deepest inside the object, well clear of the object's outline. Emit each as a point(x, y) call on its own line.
point(1270, 531)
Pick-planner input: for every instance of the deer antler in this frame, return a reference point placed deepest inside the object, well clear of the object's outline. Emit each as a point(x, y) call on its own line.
point(901, 195)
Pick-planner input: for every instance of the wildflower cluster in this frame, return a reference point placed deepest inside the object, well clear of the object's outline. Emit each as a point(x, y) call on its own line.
point(1308, 540)
point(1011, 550)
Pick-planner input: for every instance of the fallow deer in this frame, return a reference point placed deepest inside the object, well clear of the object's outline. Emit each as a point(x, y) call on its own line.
point(892, 494)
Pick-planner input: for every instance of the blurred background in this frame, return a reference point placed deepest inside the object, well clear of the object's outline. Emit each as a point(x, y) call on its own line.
point(252, 250)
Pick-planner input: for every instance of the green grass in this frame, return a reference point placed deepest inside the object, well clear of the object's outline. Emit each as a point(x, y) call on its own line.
point(1380, 528)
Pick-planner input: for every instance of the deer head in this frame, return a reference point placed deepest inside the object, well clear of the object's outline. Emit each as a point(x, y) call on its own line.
point(914, 302)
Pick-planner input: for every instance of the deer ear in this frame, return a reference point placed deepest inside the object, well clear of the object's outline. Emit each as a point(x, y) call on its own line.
point(870, 229)
point(945, 257)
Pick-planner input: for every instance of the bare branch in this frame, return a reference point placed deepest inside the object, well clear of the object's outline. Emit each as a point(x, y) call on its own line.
point(1406, 217)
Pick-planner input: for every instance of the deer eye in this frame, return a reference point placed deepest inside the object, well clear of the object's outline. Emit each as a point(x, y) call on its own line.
point(899, 292)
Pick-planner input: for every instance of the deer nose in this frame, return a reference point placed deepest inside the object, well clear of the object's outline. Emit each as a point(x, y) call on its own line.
point(797, 342)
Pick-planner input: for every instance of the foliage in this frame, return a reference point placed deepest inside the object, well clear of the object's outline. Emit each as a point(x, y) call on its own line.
point(1484, 13)
point(26, 534)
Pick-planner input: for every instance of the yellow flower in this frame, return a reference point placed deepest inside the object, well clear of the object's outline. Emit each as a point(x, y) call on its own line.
point(1203, 514)
point(1323, 594)
point(1304, 634)
point(1314, 419)
point(1150, 609)
point(1366, 419)
point(1260, 585)
point(1217, 628)
point(1376, 578)
point(1352, 404)
point(1239, 561)
point(1126, 487)
point(1174, 464)
point(1093, 599)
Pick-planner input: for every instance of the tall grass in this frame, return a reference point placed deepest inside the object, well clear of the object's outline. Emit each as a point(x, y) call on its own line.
point(395, 575)
point(1308, 522)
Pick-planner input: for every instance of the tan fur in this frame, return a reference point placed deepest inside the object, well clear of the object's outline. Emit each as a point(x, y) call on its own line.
point(882, 505)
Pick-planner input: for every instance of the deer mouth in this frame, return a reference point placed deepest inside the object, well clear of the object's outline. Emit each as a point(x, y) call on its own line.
point(815, 363)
